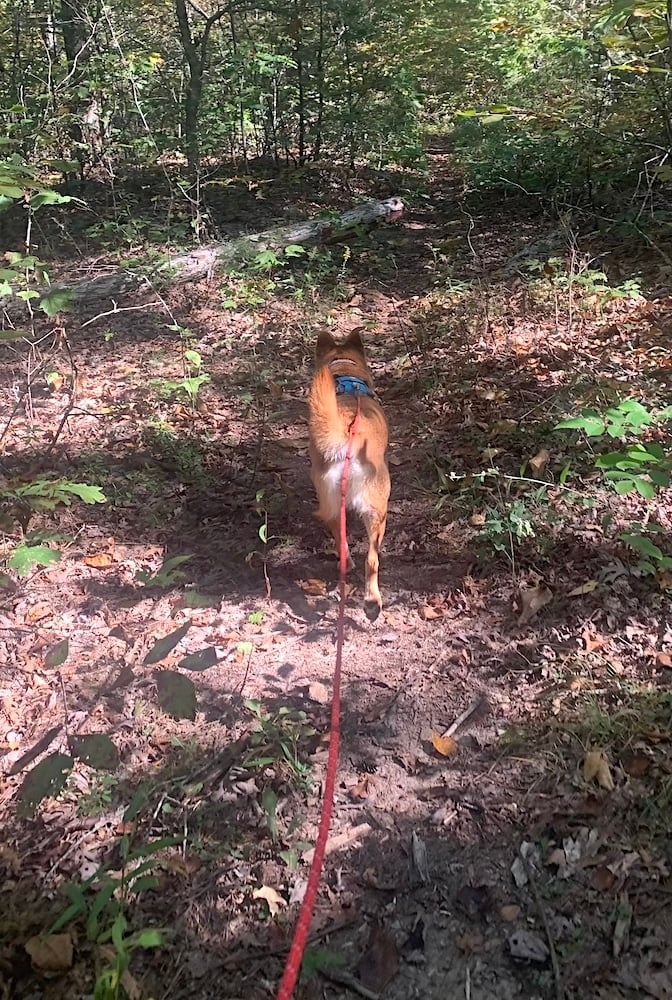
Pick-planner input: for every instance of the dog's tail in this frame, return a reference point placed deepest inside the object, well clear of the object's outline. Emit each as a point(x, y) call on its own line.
point(328, 424)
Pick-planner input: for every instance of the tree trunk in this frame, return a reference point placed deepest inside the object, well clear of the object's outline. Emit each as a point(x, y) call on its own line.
point(206, 260)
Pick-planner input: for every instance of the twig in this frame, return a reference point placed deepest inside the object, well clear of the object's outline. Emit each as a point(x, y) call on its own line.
point(557, 974)
point(461, 719)
point(120, 309)
point(349, 981)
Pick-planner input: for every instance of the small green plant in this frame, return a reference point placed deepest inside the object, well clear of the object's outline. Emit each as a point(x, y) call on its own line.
point(99, 796)
point(19, 503)
point(167, 576)
point(644, 467)
point(276, 739)
point(104, 900)
point(504, 528)
point(194, 377)
point(652, 559)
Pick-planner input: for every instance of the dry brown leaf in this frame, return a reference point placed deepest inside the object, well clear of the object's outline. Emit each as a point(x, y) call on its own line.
point(37, 613)
point(50, 952)
point(273, 898)
point(540, 461)
point(470, 942)
point(591, 643)
point(557, 858)
point(596, 768)
point(445, 745)
point(509, 913)
point(319, 692)
point(636, 764)
point(532, 600)
point(429, 613)
point(584, 588)
point(99, 560)
point(313, 588)
point(602, 879)
point(663, 660)
point(504, 426)
point(275, 390)
point(477, 520)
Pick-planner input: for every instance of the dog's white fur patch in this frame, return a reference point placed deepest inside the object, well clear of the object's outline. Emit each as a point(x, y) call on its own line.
point(356, 481)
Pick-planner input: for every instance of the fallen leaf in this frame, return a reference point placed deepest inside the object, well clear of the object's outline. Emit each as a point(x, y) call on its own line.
point(313, 588)
point(602, 879)
point(470, 942)
point(319, 692)
point(557, 858)
point(361, 789)
point(50, 952)
point(596, 768)
point(445, 745)
point(592, 642)
point(418, 859)
point(487, 455)
point(532, 600)
point(663, 660)
point(636, 764)
point(37, 613)
point(380, 962)
point(509, 913)
point(57, 654)
point(528, 946)
point(429, 613)
point(270, 896)
point(584, 588)
point(540, 461)
point(619, 941)
point(477, 520)
point(99, 560)
point(504, 426)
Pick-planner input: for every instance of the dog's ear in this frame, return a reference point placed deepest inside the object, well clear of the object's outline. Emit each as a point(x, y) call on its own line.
point(355, 341)
point(325, 343)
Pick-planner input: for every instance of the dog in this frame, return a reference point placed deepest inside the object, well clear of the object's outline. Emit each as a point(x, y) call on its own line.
point(342, 381)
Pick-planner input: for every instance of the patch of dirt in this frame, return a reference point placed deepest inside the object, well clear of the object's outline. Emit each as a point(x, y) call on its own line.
point(496, 870)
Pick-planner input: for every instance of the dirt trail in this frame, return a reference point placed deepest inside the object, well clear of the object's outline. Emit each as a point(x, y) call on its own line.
point(451, 368)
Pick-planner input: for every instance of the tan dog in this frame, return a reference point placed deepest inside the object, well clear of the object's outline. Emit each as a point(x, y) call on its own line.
point(341, 380)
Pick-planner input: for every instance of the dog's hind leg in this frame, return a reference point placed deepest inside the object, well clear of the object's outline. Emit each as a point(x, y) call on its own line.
point(374, 522)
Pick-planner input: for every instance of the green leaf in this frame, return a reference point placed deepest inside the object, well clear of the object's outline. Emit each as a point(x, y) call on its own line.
point(47, 778)
point(48, 198)
point(591, 423)
point(29, 756)
point(103, 897)
point(96, 750)
point(624, 486)
point(643, 545)
point(645, 488)
point(57, 301)
point(294, 250)
point(163, 646)
point(177, 694)
point(137, 804)
point(25, 557)
point(148, 939)
point(10, 191)
point(263, 533)
point(57, 654)
point(201, 660)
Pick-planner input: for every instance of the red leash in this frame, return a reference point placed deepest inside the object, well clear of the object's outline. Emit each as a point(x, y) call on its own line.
point(293, 965)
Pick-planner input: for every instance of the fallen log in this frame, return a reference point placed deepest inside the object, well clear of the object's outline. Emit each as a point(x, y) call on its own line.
point(207, 260)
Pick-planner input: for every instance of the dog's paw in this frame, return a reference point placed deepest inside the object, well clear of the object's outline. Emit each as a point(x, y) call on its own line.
point(372, 609)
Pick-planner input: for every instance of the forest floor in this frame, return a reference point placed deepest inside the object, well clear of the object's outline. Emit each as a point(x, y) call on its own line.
point(527, 855)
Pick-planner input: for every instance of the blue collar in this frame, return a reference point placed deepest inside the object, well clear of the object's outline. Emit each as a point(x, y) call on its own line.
point(349, 385)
